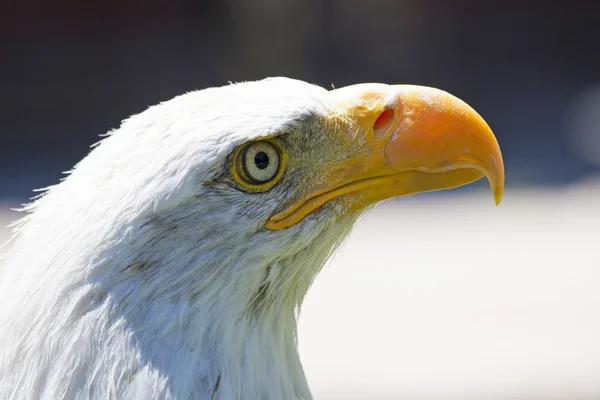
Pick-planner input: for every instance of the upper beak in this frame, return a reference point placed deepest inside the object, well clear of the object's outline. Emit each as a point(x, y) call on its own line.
point(419, 139)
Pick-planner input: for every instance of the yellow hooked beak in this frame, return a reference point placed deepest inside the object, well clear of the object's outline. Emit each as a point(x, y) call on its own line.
point(418, 139)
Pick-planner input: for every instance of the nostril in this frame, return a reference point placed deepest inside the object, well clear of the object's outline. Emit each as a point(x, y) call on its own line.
point(383, 122)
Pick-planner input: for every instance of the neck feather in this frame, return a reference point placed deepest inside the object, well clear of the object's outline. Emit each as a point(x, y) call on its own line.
point(161, 306)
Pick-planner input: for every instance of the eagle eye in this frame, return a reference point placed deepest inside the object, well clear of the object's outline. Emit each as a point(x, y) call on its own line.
point(258, 165)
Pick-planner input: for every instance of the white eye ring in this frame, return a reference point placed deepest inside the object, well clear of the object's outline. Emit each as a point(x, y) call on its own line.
point(260, 162)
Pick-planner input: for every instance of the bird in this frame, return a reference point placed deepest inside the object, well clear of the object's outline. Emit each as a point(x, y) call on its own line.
point(172, 261)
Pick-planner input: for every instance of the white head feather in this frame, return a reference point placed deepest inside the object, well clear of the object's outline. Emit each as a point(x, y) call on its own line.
point(145, 275)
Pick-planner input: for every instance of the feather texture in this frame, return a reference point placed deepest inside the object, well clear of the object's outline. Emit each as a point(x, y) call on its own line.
point(146, 275)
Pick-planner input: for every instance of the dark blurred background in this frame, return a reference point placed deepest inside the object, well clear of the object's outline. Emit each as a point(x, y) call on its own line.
point(72, 70)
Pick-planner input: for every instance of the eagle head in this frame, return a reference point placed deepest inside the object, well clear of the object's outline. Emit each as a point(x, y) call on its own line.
point(172, 261)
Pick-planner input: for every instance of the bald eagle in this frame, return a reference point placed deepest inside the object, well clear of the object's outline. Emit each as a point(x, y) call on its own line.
point(172, 261)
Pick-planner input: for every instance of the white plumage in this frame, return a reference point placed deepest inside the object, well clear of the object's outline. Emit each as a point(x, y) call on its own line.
point(130, 278)
point(147, 274)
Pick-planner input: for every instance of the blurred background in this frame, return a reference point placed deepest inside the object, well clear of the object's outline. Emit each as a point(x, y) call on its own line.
point(450, 297)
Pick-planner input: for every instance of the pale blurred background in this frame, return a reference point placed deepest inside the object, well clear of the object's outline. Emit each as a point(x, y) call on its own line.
point(439, 296)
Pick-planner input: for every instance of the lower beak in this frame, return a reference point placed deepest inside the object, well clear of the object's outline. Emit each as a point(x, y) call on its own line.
point(419, 139)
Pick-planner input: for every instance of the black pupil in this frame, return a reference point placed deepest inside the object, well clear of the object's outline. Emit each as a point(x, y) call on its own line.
point(261, 160)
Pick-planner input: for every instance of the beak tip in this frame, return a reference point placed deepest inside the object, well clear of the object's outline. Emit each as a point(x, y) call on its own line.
point(497, 194)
